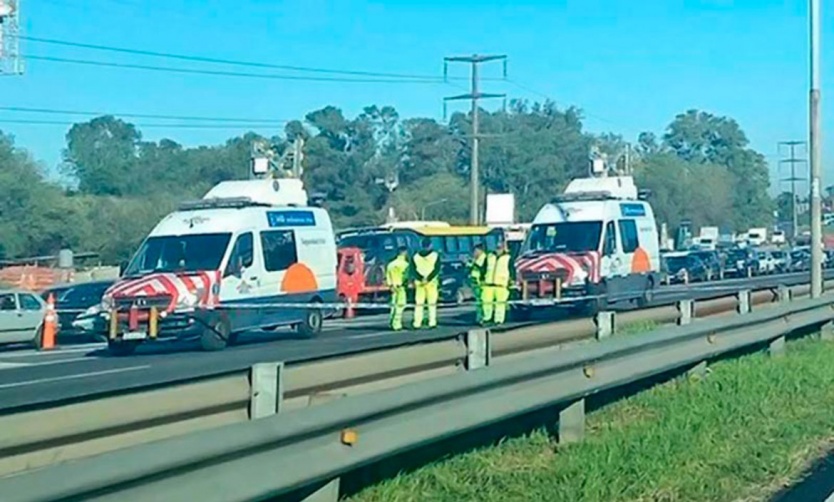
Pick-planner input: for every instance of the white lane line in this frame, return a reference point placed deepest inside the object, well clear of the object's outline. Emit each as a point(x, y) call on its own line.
point(57, 351)
point(29, 364)
point(72, 377)
point(6, 366)
point(370, 335)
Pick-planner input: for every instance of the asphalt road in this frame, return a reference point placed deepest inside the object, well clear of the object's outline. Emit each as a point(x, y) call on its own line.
point(29, 379)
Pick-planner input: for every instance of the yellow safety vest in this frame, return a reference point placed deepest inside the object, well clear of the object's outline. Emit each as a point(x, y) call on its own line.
point(498, 270)
point(424, 266)
point(396, 272)
point(476, 271)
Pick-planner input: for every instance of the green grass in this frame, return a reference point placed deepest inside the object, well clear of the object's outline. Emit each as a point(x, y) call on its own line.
point(743, 432)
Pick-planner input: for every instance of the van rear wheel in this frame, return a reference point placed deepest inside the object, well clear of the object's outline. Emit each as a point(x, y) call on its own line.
point(312, 323)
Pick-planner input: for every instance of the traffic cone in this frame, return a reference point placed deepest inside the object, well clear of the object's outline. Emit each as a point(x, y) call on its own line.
point(49, 324)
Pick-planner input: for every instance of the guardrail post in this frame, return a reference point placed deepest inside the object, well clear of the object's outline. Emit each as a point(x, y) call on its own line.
point(266, 389)
point(686, 308)
point(478, 349)
point(777, 347)
point(827, 331)
point(606, 324)
point(572, 422)
point(785, 294)
point(327, 493)
point(698, 371)
point(743, 301)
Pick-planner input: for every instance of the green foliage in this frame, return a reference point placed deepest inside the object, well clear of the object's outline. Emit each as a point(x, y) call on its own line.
point(701, 169)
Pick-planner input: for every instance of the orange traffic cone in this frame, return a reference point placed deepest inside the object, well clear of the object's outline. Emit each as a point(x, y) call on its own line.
point(49, 324)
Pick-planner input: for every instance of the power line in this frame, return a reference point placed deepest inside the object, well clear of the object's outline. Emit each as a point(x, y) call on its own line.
point(52, 111)
point(194, 71)
point(142, 126)
point(251, 64)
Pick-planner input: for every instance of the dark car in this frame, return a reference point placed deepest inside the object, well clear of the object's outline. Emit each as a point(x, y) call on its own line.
point(71, 300)
point(684, 268)
point(712, 261)
point(740, 263)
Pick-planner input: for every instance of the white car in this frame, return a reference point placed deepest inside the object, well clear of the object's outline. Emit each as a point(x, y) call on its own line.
point(767, 262)
point(21, 317)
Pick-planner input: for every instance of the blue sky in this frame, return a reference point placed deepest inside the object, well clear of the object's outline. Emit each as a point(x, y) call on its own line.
point(631, 65)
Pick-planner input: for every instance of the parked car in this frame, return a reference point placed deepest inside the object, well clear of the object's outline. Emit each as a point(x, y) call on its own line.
point(21, 317)
point(71, 300)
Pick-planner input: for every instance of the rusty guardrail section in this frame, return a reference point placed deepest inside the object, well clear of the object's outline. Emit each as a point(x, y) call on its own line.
point(39, 438)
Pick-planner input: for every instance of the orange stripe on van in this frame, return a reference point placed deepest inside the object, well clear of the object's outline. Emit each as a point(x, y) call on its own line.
point(640, 262)
point(299, 279)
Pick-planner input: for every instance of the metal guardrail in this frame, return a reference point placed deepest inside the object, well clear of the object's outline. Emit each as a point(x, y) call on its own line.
point(278, 454)
point(41, 437)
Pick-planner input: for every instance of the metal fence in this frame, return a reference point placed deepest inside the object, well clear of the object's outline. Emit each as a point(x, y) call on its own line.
point(399, 399)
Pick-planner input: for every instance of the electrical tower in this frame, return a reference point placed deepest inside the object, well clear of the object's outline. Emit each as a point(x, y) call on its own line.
point(10, 63)
point(793, 161)
point(474, 95)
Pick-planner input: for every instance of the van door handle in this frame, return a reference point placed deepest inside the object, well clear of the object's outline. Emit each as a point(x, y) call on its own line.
point(253, 278)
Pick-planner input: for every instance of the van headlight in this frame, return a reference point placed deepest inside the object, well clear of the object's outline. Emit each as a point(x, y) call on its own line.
point(107, 303)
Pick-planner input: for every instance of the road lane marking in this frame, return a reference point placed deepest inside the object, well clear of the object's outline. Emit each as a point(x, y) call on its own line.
point(72, 377)
point(57, 351)
point(372, 335)
point(6, 366)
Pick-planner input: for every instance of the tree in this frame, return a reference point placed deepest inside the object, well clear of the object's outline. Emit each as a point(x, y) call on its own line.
point(701, 137)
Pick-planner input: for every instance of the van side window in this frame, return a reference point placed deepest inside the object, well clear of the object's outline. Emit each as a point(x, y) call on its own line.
point(243, 254)
point(279, 250)
point(628, 235)
point(465, 244)
point(610, 246)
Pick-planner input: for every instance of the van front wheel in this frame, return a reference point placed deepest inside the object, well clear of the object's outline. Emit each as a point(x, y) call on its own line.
point(312, 323)
point(216, 335)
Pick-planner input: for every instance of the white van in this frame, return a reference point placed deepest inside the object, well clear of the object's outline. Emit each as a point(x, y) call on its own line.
point(598, 242)
point(201, 269)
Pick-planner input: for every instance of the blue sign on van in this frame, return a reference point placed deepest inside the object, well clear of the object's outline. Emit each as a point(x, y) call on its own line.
point(632, 210)
point(291, 219)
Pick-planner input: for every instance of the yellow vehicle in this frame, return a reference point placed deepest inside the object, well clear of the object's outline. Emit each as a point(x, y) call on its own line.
point(454, 243)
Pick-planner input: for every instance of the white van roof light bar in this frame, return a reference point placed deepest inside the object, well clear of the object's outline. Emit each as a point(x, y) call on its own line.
point(220, 203)
point(583, 196)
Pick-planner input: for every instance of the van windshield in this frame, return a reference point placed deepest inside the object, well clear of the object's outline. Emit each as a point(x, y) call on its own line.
point(575, 237)
point(179, 253)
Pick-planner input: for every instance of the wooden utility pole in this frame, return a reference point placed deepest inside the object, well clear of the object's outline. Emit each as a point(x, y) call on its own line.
point(474, 96)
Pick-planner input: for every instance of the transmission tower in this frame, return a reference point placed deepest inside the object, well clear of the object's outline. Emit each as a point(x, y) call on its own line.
point(10, 63)
point(792, 161)
point(474, 95)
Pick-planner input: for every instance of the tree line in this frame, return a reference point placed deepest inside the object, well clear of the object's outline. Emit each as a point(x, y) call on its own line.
point(700, 169)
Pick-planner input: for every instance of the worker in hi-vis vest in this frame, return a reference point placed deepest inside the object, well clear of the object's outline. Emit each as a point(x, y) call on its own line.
point(496, 289)
point(426, 273)
point(396, 278)
point(477, 271)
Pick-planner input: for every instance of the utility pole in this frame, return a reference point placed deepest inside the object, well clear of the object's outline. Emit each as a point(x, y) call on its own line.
point(815, 141)
point(793, 161)
point(474, 95)
point(10, 63)
point(297, 157)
